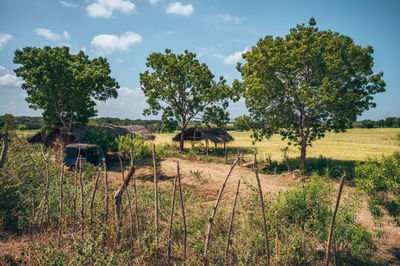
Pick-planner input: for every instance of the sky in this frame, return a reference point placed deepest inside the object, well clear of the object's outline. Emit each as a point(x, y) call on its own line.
point(126, 32)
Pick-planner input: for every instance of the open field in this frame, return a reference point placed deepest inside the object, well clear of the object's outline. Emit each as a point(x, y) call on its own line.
point(355, 144)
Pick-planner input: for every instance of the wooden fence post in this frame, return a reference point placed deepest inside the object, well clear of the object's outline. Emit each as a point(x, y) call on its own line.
point(183, 211)
point(262, 206)
point(155, 197)
point(136, 205)
point(76, 185)
point(333, 219)
point(93, 195)
point(221, 190)
point(106, 191)
point(127, 193)
point(231, 221)
point(61, 205)
point(82, 204)
point(170, 220)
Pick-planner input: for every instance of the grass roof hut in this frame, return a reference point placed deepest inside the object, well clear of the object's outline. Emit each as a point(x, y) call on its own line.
point(205, 133)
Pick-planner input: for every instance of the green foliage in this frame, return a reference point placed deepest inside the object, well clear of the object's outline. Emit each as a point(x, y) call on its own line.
point(7, 123)
point(186, 88)
point(64, 85)
point(243, 123)
point(380, 179)
point(134, 148)
point(309, 82)
point(102, 137)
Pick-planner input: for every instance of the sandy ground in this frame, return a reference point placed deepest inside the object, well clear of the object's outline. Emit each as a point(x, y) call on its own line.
point(206, 178)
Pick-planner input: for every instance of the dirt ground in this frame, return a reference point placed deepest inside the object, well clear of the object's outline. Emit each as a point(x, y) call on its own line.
point(206, 178)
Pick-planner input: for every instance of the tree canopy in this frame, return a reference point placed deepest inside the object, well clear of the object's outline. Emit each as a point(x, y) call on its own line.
point(306, 83)
point(184, 90)
point(64, 85)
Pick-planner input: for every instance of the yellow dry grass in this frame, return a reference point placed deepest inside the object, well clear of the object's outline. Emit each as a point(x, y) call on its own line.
point(356, 144)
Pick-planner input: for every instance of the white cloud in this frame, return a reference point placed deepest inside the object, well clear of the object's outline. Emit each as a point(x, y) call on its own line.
point(105, 8)
point(120, 60)
point(124, 91)
point(229, 18)
point(110, 43)
point(154, 2)
point(67, 4)
point(9, 81)
point(3, 70)
point(179, 9)
point(49, 35)
point(235, 57)
point(4, 38)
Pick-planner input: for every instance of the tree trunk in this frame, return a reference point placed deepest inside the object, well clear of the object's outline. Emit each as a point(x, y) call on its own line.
point(4, 149)
point(182, 140)
point(303, 152)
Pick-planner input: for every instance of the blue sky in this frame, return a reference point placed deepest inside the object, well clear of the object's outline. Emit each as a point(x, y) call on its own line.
point(127, 31)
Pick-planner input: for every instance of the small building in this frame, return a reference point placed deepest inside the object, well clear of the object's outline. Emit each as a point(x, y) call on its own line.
point(212, 134)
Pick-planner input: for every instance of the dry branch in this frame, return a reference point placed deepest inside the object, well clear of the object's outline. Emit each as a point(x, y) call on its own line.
point(231, 221)
point(170, 220)
point(183, 211)
point(215, 211)
point(262, 206)
point(333, 219)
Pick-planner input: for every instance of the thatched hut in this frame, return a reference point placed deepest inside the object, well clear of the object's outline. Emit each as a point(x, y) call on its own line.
point(58, 137)
point(215, 135)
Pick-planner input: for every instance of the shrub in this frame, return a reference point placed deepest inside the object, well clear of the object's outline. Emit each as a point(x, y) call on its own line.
point(380, 179)
point(102, 137)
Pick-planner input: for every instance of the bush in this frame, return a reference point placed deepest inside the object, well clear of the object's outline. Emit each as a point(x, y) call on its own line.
point(102, 137)
point(380, 179)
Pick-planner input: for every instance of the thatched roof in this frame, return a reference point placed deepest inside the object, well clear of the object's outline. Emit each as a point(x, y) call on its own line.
point(198, 133)
point(58, 133)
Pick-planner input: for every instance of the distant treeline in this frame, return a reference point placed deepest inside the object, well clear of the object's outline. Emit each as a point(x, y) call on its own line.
point(387, 122)
point(156, 126)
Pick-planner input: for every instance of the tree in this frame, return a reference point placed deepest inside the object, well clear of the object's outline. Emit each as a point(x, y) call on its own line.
point(8, 123)
point(309, 82)
point(184, 90)
point(64, 85)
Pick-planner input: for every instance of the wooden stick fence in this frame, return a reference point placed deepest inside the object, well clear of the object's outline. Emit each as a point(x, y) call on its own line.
point(183, 210)
point(231, 221)
point(76, 186)
point(106, 191)
point(82, 203)
point(333, 219)
point(215, 211)
point(155, 197)
point(170, 220)
point(61, 205)
point(136, 204)
point(262, 206)
point(94, 194)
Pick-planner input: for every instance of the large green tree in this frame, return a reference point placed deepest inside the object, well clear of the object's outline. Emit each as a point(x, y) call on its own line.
point(309, 82)
point(184, 89)
point(64, 85)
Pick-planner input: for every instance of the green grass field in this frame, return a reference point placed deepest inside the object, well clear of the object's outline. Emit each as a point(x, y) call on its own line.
point(355, 144)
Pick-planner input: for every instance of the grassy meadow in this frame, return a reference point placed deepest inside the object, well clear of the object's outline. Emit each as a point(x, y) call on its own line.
point(356, 144)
